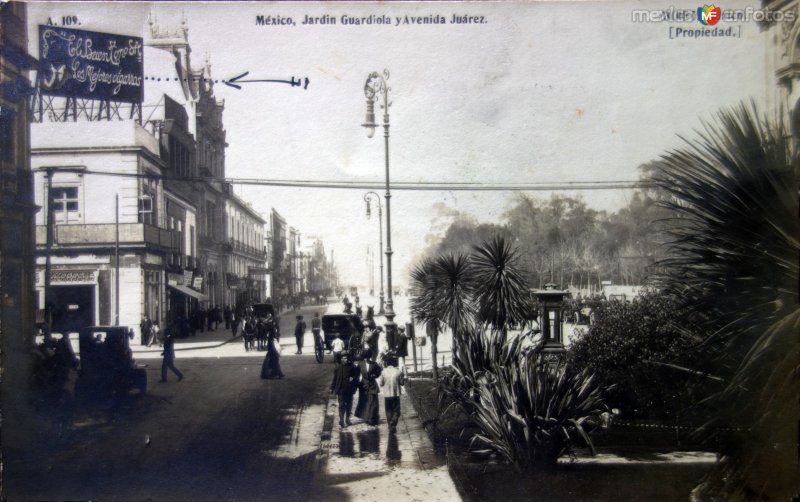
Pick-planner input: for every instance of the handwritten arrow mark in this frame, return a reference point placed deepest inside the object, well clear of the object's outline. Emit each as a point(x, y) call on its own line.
point(235, 81)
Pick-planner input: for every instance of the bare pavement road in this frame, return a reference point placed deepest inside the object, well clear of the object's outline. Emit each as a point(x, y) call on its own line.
point(223, 433)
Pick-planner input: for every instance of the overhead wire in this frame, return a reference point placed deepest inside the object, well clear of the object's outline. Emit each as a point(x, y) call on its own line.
point(395, 185)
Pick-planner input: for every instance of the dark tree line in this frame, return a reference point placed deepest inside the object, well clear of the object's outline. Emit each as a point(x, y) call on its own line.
point(562, 240)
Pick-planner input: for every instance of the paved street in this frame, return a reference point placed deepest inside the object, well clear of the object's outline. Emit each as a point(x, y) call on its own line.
point(223, 433)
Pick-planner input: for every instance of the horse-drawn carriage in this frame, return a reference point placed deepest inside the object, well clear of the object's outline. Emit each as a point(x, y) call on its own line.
point(349, 327)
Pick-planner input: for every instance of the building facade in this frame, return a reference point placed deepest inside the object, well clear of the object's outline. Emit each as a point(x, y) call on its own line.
point(16, 183)
point(122, 212)
point(783, 60)
point(246, 275)
point(17, 210)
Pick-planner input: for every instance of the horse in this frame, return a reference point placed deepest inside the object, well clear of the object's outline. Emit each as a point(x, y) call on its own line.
point(261, 334)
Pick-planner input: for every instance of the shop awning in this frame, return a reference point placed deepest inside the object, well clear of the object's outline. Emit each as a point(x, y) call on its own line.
point(189, 292)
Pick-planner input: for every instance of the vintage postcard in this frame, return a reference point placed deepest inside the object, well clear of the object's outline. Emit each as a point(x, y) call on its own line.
point(398, 250)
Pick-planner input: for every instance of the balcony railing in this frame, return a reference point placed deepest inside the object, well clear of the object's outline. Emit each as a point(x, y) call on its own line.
point(104, 234)
point(243, 248)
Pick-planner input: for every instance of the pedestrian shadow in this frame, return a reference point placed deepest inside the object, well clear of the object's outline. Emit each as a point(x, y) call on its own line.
point(393, 453)
point(369, 442)
point(346, 445)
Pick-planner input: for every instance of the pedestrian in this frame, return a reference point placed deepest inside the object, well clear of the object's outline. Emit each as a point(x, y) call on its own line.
point(271, 367)
point(368, 407)
point(337, 348)
point(228, 316)
point(144, 326)
point(269, 322)
point(344, 385)
point(355, 345)
point(169, 357)
point(155, 330)
point(400, 348)
point(299, 333)
point(234, 324)
point(316, 327)
point(391, 382)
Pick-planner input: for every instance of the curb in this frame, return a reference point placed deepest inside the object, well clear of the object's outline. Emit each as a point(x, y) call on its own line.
point(428, 423)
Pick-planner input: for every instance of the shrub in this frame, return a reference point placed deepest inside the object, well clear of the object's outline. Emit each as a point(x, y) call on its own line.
point(638, 347)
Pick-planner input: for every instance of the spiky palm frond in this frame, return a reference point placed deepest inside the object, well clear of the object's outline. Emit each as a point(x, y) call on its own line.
point(529, 411)
point(423, 289)
point(442, 290)
point(735, 239)
point(453, 282)
point(503, 295)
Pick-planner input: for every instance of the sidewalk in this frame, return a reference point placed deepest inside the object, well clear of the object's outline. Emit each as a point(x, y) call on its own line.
point(204, 340)
point(220, 343)
point(360, 463)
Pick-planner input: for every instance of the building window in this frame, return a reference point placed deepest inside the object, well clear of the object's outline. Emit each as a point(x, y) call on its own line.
point(147, 202)
point(65, 204)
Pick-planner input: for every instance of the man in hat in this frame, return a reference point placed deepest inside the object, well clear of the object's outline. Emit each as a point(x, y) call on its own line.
point(299, 333)
point(169, 357)
point(344, 385)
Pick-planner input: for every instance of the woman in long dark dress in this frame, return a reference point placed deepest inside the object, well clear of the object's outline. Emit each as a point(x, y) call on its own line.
point(368, 403)
point(271, 367)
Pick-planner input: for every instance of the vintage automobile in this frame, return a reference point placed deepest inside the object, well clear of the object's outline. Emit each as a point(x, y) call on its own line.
point(342, 325)
point(107, 367)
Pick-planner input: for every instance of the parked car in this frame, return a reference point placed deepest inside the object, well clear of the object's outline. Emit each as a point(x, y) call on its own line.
point(107, 367)
point(342, 325)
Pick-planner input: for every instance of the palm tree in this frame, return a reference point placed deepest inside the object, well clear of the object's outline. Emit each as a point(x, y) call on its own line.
point(422, 309)
point(503, 297)
point(442, 294)
point(454, 284)
point(733, 260)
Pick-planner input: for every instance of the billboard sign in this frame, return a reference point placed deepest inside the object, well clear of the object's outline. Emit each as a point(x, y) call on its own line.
point(90, 65)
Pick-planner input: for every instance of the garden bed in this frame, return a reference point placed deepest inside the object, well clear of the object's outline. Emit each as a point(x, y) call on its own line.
point(633, 463)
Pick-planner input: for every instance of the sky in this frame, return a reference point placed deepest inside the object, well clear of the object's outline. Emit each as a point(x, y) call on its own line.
point(539, 92)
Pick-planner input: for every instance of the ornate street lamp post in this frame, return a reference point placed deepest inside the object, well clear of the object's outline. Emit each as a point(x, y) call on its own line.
point(380, 236)
point(376, 89)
